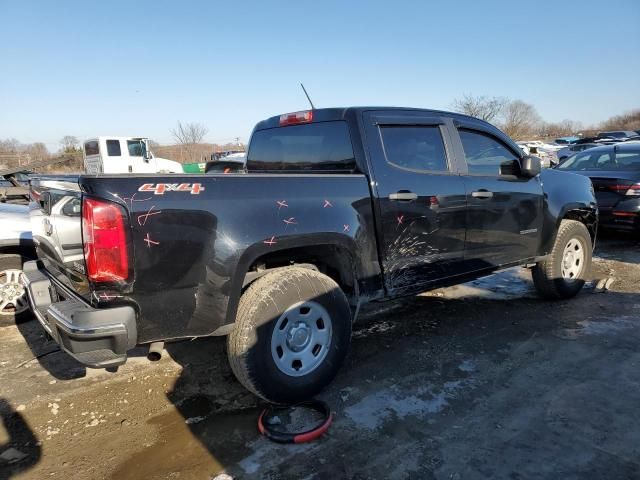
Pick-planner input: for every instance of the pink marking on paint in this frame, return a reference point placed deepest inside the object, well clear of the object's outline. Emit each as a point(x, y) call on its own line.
point(327, 204)
point(271, 241)
point(346, 228)
point(400, 219)
point(150, 242)
point(133, 198)
point(282, 203)
point(145, 216)
point(290, 221)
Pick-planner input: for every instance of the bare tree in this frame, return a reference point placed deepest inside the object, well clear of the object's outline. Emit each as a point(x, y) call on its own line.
point(520, 119)
point(188, 136)
point(37, 151)
point(10, 145)
point(484, 108)
point(627, 121)
point(70, 144)
point(189, 133)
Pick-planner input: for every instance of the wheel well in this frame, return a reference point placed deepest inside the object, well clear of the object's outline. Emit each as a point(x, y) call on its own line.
point(334, 261)
point(587, 217)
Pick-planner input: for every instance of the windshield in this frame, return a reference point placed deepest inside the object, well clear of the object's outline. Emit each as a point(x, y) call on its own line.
point(603, 160)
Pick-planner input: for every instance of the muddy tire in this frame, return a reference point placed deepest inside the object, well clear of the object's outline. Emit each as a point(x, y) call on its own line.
point(14, 306)
point(564, 272)
point(292, 333)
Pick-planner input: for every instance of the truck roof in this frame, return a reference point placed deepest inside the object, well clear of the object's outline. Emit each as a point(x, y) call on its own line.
point(344, 113)
point(341, 113)
point(114, 137)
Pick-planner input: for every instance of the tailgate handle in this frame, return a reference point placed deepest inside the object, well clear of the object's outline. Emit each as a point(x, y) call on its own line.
point(482, 194)
point(403, 196)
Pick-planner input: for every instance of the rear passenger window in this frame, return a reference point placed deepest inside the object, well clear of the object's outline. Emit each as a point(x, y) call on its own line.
point(113, 148)
point(484, 154)
point(414, 148)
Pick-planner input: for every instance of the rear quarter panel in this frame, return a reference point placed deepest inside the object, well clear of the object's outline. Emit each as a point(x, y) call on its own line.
point(191, 250)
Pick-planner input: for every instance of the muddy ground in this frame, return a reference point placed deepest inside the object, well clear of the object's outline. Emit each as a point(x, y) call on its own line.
point(479, 381)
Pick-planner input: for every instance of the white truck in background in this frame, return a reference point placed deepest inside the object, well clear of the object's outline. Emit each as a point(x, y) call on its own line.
point(124, 155)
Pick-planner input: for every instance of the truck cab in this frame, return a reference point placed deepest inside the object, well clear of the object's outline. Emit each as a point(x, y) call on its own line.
point(111, 154)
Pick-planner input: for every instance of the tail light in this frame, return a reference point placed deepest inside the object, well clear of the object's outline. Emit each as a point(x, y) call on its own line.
point(296, 118)
point(626, 188)
point(633, 190)
point(105, 241)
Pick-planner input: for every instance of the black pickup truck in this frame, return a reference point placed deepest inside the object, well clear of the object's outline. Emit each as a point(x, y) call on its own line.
point(336, 207)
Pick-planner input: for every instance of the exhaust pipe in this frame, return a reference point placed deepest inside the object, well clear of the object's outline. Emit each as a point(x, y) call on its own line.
point(155, 351)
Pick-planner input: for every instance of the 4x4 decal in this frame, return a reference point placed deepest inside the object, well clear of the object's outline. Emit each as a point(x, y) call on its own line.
point(160, 188)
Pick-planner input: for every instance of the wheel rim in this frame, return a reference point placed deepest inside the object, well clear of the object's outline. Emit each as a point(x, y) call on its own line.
point(13, 298)
point(301, 338)
point(572, 260)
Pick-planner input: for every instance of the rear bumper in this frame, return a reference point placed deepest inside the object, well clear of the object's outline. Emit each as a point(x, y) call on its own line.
point(97, 338)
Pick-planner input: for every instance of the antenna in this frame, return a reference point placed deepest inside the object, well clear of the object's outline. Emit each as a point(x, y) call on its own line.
point(308, 98)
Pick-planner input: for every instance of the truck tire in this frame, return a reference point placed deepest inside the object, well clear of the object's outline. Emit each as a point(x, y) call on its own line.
point(14, 305)
point(563, 273)
point(291, 335)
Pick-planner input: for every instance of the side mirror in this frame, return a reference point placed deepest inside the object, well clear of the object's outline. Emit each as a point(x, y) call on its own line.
point(530, 166)
point(147, 155)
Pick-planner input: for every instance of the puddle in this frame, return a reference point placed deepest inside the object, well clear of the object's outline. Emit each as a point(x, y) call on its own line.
point(604, 326)
point(196, 450)
point(374, 409)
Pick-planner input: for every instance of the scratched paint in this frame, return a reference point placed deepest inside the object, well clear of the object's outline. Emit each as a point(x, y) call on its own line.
point(270, 241)
point(142, 219)
point(150, 242)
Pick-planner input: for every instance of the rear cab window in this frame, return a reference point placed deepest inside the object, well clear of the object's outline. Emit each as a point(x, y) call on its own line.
point(323, 147)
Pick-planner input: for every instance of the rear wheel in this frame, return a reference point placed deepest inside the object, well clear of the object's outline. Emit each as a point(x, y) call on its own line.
point(292, 333)
point(14, 306)
point(563, 273)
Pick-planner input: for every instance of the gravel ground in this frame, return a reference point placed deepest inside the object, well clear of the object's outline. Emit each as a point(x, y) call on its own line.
point(483, 380)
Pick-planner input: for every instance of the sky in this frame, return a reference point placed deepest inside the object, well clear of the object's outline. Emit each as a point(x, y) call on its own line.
point(89, 68)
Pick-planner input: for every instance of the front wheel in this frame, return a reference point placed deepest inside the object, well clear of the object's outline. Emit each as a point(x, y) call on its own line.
point(291, 335)
point(563, 273)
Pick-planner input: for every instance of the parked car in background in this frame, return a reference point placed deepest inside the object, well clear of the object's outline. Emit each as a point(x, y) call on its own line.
point(618, 134)
point(566, 152)
point(614, 171)
point(16, 247)
point(566, 140)
point(232, 163)
point(14, 186)
point(544, 151)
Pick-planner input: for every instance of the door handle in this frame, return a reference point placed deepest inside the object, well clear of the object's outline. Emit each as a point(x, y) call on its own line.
point(482, 194)
point(403, 196)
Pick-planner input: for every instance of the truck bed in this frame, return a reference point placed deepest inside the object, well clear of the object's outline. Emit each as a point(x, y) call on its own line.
point(193, 237)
